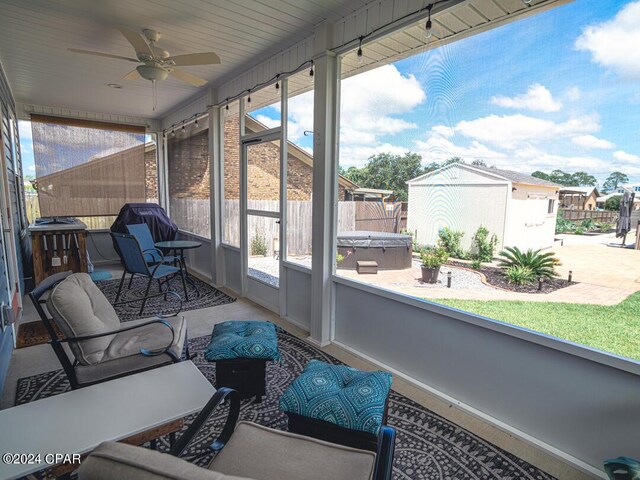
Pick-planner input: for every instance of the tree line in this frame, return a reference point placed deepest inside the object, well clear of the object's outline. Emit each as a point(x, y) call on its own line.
point(391, 172)
point(583, 179)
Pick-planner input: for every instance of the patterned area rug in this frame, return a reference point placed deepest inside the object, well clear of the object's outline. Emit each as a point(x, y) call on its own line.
point(35, 333)
point(428, 446)
point(200, 295)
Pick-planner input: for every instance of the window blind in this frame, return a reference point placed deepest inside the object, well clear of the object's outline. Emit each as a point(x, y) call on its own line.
point(87, 168)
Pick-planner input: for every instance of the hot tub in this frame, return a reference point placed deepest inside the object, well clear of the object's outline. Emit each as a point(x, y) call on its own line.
point(392, 251)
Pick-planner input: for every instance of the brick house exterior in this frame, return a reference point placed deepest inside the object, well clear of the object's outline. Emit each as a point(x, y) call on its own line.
point(189, 167)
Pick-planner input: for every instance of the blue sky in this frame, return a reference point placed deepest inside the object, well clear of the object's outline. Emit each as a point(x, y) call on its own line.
point(558, 90)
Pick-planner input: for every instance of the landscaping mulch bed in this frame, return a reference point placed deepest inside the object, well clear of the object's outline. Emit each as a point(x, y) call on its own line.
point(495, 278)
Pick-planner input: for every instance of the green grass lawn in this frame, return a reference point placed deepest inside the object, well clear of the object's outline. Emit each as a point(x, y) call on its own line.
point(614, 329)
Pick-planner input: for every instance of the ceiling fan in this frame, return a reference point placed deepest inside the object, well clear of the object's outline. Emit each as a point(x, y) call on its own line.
point(157, 63)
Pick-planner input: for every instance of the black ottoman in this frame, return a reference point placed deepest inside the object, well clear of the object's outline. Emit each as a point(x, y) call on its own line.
point(240, 350)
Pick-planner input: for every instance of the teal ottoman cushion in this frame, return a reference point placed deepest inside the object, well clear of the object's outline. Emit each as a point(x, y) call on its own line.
point(244, 339)
point(340, 395)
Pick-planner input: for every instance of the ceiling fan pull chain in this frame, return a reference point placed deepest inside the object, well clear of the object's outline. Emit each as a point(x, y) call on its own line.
point(155, 96)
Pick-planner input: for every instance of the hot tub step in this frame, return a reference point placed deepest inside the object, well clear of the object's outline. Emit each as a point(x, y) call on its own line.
point(367, 266)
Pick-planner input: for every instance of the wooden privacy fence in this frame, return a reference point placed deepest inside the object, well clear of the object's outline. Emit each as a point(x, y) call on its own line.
point(352, 216)
point(597, 215)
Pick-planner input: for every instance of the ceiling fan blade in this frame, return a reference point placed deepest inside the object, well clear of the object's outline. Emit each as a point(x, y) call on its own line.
point(135, 39)
point(100, 54)
point(132, 75)
point(209, 58)
point(187, 77)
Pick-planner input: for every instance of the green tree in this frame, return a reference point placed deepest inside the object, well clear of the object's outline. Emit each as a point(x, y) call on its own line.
point(539, 174)
point(614, 180)
point(478, 163)
point(389, 172)
point(613, 203)
point(583, 179)
point(451, 160)
point(563, 178)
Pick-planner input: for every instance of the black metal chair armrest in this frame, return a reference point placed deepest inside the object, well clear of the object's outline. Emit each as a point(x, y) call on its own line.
point(157, 315)
point(386, 450)
point(221, 395)
point(115, 332)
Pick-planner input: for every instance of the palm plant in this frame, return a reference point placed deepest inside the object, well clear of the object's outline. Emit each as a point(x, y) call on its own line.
point(540, 264)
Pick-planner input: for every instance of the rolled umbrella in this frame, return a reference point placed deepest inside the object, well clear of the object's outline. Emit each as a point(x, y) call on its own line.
point(624, 218)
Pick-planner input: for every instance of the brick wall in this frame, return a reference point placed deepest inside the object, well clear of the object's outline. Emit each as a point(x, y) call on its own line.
point(151, 174)
point(189, 168)
point(188, 164)
point(263, 176)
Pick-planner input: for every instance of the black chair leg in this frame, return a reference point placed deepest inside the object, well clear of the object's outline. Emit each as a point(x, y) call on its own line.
point(131, 281)
point(120, 286)
point(184, 283)
point(146, 294)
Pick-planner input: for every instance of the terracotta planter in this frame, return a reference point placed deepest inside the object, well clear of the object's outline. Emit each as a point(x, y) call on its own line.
point(430, 275)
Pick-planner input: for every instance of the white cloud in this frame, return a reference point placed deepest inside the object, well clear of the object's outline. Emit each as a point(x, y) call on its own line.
point(268, 121)
point(439, 149)
point(512, 131)
point(574, 93)
point(357, 155)
point(589, 141)
point(626, 157)
point(372, 104)
point(537, 98)
point(611, 43)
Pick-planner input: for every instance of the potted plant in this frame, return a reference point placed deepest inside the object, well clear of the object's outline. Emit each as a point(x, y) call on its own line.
point(432, 259)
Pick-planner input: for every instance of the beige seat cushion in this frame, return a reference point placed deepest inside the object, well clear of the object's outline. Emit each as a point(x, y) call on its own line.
point(151, 337)
point(263, 453)
point(125, 462)
point(79, 308)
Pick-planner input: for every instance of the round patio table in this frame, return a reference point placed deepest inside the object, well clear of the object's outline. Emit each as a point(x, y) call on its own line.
point(178, 247)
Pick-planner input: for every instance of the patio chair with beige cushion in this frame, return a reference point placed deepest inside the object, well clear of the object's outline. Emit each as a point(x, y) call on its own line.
point(101, 346)
point(249, 451)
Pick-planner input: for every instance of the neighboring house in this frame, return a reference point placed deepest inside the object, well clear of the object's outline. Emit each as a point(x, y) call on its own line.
point(602, 200)
point(371, 195)
point(519, 209)
point(264, 168)
point(578, 198)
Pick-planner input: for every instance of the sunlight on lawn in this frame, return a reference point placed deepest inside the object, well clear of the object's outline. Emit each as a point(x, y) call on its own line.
point(614, 329)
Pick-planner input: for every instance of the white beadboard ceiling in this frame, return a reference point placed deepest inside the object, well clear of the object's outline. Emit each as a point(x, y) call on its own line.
point(35, 35)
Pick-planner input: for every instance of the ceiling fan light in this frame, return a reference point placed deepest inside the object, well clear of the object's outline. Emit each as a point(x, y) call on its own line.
point(152, 72)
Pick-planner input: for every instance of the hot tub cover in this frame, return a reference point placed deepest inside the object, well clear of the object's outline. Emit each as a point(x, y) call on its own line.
point(365, 239)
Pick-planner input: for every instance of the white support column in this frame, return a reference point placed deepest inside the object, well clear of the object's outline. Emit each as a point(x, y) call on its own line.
point(163, 186)
point(325, 138)
point(216, 193)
